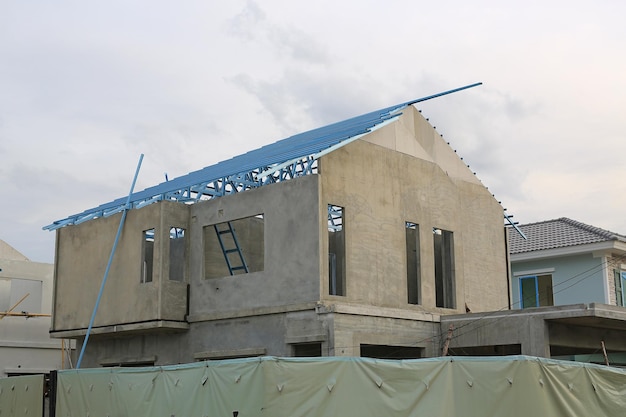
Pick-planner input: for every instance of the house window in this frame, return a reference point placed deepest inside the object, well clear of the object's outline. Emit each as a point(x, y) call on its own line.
point(620, 278)
point(234, 247)
point(177, 254)
point(21, 295)
point(147, 261)
point(336, 251)
point(536, 291)
point(412, 262)
point(444, 268)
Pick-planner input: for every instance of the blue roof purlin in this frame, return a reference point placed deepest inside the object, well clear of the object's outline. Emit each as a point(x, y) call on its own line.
point(240, 172)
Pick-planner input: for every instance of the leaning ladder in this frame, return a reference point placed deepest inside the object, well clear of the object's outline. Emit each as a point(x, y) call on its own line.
point(227, 251)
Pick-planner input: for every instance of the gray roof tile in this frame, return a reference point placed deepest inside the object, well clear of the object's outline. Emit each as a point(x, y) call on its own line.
point(558, 233)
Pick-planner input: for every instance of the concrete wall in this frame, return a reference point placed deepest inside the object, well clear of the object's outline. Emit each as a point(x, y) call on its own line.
point(575, 279)
point(413, 177)
point(545, 331)
point(290, 272)
point(82, 254)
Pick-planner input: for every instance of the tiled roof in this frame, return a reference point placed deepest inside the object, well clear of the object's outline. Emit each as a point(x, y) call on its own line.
point(558, 233)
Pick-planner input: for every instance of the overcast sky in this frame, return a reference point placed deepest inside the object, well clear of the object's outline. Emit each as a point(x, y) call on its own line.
point(87, 86)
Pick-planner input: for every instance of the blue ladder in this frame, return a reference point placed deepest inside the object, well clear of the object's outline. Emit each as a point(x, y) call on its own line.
point(227, 251)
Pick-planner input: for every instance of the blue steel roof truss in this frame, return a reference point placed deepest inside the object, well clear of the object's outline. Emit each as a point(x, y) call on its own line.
point(283, 160)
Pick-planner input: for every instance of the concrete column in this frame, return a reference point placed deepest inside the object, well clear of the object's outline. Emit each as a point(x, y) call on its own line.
point(536, 340)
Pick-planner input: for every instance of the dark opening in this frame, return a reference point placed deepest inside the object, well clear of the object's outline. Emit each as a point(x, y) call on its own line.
point(336, 251)
point(307, 350)
point(391, 352)
point(413, 276)
point(444, 268)
point(148, 256)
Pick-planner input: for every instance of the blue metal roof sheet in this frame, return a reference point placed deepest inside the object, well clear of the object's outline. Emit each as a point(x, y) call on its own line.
point(268, 164)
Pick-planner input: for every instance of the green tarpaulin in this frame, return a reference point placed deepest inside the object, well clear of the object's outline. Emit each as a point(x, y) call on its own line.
point(21, 396)
point(339, 386)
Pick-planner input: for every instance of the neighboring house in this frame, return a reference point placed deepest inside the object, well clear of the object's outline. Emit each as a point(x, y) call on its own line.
point(567, 293)
point(25, 305)
point(566, 262)
point(348, 240)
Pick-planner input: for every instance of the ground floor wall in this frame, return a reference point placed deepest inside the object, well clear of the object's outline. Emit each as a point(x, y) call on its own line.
point(563, 331)
point(315, 330)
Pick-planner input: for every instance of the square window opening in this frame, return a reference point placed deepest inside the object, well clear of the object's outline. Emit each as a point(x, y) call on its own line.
point(234, 247)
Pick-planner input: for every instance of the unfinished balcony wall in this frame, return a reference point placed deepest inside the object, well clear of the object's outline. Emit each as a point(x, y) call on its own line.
point(146, 285)
point(276, 229)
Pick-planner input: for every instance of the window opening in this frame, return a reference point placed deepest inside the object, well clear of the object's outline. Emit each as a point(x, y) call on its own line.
point(307, 350)
point(147, 261)
point(391, 352)
point(444, 268)
point(619, 278)
point(178, 254)
point(336, 251)
point(234, 247)
point(413, 276)
point(536, 291)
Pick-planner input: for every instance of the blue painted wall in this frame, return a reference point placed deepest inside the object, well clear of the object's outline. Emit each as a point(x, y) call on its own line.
point(575, 279)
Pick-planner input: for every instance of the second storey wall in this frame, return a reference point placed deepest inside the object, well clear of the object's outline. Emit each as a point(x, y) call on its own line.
point(278, 235)
point(380, 190)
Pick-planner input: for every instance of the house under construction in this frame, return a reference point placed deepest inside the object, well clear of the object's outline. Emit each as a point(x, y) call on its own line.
point(348, 240)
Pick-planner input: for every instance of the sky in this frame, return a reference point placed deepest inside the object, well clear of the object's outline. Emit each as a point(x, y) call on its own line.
point(87, 87)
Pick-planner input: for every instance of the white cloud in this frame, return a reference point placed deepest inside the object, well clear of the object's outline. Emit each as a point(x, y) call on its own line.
point(86, 87)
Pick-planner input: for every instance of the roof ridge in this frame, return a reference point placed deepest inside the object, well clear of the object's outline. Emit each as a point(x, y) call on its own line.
point(593, 229)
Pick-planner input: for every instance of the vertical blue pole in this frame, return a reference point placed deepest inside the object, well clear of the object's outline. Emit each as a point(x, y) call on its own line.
point(106, 272)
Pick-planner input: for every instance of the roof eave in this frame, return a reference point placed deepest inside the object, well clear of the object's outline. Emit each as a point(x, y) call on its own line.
point(607, 246)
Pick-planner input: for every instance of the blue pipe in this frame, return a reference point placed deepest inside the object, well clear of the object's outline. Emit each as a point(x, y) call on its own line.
point(106, 272)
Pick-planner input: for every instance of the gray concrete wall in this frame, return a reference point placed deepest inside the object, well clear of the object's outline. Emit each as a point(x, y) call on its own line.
point(566, 330)
point(414, 177)
point(136, 349)
point(290, 272)
point(82, 254)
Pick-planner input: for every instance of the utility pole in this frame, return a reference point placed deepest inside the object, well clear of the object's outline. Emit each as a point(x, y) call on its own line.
point(446, 344)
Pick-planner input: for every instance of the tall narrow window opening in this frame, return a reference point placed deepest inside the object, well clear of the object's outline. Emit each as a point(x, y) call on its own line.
point(336, 251)
point(445, 286)
point(148, 256)
point(536, 291)
point(622, 288)
point(178, 254)
point(413, 278)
